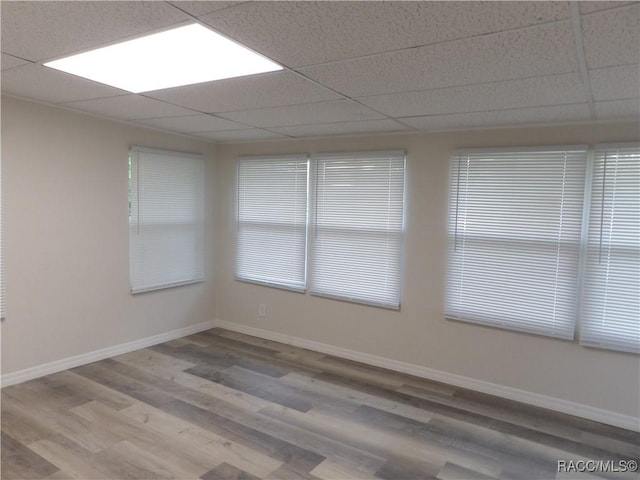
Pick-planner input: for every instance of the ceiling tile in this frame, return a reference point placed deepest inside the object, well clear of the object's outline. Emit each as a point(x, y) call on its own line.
point(198, 8)
point(612, 37)
point(343, 128)
point(617, 109)
point(42, 30)
point(309, 113)
point(501, 118)
point(49, 85)
point(536, 51)
point(255, 91)
point(530, 92)
point(191, 123)
point(615, 82)
point(129, 107)
point(240, 135)
point(590, 7)
point(307, 33)
point(419, 63)
point(9, 61)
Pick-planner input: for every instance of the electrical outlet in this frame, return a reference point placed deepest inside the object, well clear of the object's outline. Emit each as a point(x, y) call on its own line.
point(262, 310)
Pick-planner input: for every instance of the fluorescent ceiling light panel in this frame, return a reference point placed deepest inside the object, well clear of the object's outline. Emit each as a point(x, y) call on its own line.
point(182, 56)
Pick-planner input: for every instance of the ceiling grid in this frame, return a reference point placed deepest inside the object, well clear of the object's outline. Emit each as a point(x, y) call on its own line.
point(349, 67)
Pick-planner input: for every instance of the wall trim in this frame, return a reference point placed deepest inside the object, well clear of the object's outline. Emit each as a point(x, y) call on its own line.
point(510, 393)
point(552, 403)
point(89, 357)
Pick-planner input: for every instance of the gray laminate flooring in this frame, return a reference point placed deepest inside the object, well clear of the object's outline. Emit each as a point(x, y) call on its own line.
point(220, 405)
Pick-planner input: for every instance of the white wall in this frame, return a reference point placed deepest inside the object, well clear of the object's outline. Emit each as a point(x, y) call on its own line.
point(419, 334)
point(66, 246)
point(66, 238)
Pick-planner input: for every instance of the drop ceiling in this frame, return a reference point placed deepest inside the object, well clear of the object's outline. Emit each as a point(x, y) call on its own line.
point(349, 67)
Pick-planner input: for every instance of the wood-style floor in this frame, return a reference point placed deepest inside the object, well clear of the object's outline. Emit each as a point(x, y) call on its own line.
point(220, 405)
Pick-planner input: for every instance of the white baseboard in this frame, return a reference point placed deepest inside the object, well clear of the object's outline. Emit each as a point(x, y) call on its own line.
point(82, 359)
point(531, 398)
point(510, 393)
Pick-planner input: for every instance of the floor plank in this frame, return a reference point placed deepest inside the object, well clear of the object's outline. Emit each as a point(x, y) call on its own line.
point(176, 449)
point(201, 441)
point(225, 471)
point(251, 438)
point(19, 461)
point(63, 423)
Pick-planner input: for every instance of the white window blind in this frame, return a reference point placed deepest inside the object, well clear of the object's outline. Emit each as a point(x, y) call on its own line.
point(514, 238)
point(358, 210)
point(166, 219)
point(611, 295)
point(271, 237)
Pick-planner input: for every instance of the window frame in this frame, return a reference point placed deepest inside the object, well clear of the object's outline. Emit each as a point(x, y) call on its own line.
point(256, 281)
point(453, 202)
point(197, 224)
point(401, 233)
point(585, 225)
point(312, 160)
point(605, 341)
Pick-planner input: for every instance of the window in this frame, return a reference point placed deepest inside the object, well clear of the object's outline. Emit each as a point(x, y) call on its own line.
point(514, 238)
point(271, 237)
point(533, 231)
point(357, 227)
point(166, 219)
point(611, 296)
point(356, 224)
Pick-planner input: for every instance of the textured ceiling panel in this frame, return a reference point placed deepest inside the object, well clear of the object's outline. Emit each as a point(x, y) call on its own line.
point(531, 92)
point(240, 135)
point(192, 123)
point(9, 61)
point(612, 37)
point(555, 114)
point(129, 107)
point(309, 113)
point(307, 33)
point(48, 85)
point(439, 65)
point(42, 30)
point(536, 51)
point(199, 8)
point(256, 91)
point(615, 82)
point(590, 7)
point(343, 128)
point(618, 109)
